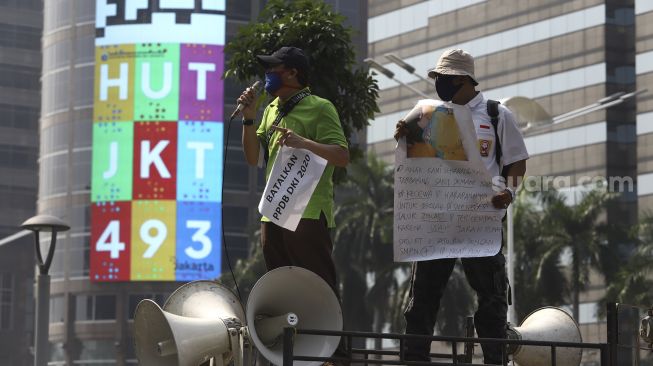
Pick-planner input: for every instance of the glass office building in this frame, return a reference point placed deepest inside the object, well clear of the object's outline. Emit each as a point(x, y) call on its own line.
point(20, 66)
point(644, 71)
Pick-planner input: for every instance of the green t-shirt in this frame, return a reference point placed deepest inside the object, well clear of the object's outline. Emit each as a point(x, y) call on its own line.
point(314, 118)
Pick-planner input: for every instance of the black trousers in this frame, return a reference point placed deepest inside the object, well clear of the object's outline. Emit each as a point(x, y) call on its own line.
point(309, 247)
point(486, 275)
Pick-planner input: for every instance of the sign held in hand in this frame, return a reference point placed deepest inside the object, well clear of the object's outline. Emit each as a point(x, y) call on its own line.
point(291, 183)
point(443, 192)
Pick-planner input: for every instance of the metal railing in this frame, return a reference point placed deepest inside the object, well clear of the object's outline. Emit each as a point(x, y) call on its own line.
point(464, 359)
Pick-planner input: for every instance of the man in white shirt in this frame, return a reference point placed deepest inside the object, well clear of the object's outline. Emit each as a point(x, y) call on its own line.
point(455, 82)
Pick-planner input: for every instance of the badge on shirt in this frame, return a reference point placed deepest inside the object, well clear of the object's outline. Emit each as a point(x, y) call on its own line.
point(484, 147)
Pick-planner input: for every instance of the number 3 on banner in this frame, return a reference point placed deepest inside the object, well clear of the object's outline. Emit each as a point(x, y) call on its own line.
point(109, 241)
point(200, 236)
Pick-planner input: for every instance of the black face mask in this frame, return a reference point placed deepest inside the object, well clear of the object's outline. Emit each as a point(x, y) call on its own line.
point(445, 87)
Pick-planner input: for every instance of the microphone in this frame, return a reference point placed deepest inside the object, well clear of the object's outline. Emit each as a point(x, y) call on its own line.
point(256, 87)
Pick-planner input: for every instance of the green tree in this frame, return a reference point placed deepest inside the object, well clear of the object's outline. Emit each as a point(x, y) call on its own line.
point(633, 284)
point(539, 280)
point(312, 26)
point(363, 248)
point(543, 236)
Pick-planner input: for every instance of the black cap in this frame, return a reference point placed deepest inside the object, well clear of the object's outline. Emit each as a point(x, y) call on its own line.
point(291, 57)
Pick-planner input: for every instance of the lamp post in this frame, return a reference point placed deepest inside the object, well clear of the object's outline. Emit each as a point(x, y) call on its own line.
point(391, 75)
point(406, 66)
point(37, 224)
point(528, 109)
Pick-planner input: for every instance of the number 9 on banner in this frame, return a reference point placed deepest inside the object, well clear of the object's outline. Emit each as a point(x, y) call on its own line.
point(153, 240)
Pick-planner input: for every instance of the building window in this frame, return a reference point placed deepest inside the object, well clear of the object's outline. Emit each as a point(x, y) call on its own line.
point(134, 299)
point(95, 307)
point(57, 309)
point(57, 354)
point(97, 353)
point(235, 218)
point(6, 291)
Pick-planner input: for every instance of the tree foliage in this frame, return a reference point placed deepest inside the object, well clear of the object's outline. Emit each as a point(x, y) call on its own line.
point(633, 284)
point(552, 231)
point(363, 245)
point(312, 26)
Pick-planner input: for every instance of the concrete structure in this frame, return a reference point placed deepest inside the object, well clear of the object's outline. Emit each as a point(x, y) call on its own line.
point(644, 71)
point(20, 65)
point(563, 54)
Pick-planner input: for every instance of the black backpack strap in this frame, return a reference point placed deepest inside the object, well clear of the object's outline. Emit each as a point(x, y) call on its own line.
point(493, 112)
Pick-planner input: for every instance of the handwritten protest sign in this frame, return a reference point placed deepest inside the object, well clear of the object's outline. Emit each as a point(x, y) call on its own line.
point(442, 197)
point(291, 183)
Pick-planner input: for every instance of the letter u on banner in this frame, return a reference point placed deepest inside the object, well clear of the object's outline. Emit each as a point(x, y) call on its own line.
point(293, 179)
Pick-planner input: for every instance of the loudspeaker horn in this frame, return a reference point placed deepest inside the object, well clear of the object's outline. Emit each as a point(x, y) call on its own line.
point(200, 323)
point(293, 296)
point(205, 299)
point(546, 324)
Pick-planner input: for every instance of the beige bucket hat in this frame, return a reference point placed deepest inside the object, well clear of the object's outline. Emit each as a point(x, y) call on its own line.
point(454, 62)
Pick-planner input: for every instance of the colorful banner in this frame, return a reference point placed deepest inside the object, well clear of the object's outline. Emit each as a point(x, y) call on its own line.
point(157, 140)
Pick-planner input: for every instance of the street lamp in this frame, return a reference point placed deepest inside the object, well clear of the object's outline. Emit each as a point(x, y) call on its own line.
point(391, 75)
point(531, 114)
point(406, 66)
point(37, 224)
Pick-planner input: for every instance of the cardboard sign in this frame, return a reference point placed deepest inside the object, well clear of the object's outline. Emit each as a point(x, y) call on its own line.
point(442, 202)
point(293, 179)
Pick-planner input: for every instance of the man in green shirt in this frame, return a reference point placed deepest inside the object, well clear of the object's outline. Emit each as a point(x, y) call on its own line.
point(312, 124)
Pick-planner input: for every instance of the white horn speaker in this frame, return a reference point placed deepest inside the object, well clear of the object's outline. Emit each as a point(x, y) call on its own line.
point(546, 324)
point(293, 296)
point(199, 322)
point(205, 299)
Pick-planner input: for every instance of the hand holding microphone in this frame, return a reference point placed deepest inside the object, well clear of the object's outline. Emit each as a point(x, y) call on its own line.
point(247, 102)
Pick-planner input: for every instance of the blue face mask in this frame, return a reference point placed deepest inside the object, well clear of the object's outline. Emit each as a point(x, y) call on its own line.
point(273, 82)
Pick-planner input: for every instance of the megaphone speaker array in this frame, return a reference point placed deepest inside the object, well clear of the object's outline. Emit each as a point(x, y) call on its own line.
point(293, 296)
point(204, 323)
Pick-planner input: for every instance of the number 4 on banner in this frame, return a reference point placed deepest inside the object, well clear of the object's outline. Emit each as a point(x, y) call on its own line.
point(109, 241)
